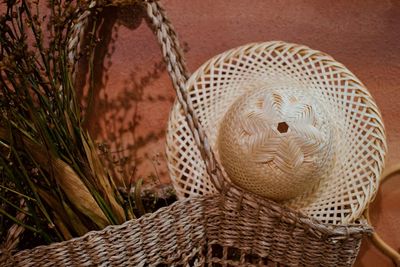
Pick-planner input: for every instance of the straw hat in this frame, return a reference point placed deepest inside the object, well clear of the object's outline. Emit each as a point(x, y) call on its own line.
point(286, 122)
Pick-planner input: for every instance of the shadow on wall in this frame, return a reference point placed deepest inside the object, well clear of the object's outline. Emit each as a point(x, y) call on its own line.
point(115, 122)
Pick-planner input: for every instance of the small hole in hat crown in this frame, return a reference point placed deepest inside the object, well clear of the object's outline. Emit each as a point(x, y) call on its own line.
point(283, 127)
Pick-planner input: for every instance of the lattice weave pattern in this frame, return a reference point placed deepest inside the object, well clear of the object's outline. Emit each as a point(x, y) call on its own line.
point(358, 137)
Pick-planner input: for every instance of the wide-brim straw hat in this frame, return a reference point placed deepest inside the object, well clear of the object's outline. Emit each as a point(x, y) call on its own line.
point(286, 122)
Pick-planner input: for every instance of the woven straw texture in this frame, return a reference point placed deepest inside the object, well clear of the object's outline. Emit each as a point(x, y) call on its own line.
point(276, 142)
point(214, 230)
point(220, 224)
point(351, 172)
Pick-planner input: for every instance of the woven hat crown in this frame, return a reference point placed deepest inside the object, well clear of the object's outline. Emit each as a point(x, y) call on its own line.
point(348, 162)
point(276, 142)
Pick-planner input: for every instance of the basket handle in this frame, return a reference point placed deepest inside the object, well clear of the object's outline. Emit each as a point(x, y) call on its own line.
point(177, 70)
point(375, 238)
point(179, 74)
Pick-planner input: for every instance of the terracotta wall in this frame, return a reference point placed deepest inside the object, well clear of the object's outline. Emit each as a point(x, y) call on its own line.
point(363, 35)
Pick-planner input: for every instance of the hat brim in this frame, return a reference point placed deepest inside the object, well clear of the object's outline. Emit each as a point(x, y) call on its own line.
point(360, 143)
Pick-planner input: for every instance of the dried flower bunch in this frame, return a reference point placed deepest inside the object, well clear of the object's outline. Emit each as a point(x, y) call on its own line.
point(53, 185)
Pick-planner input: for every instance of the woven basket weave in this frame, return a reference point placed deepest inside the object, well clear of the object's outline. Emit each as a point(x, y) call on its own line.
point(235, 229)
point(228, 227)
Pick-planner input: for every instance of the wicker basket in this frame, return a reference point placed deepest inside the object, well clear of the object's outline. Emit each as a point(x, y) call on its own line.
point(229, 227)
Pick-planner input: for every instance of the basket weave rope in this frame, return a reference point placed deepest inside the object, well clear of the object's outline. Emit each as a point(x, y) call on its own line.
point(230, 227)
